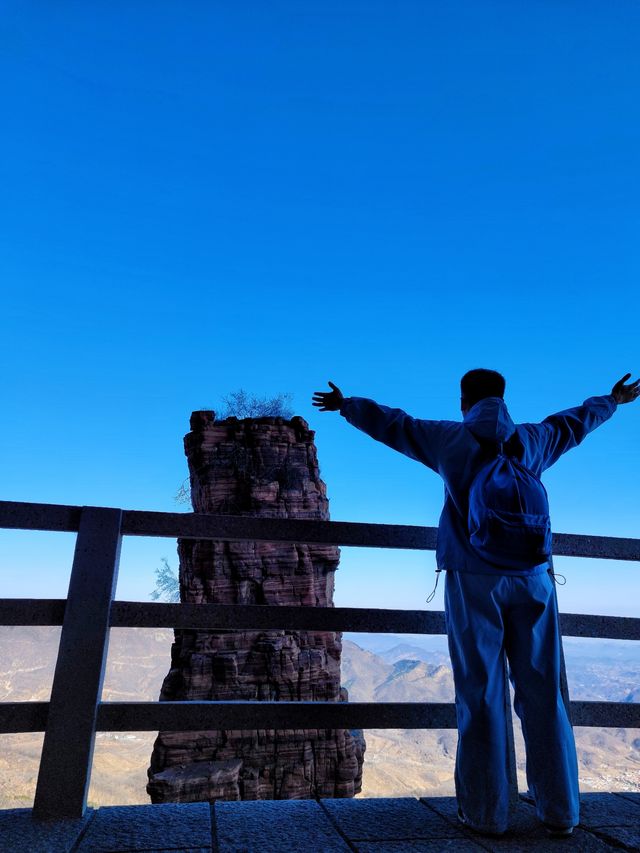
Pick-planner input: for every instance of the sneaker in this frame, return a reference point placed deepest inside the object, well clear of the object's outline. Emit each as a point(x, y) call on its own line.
point(557, 831)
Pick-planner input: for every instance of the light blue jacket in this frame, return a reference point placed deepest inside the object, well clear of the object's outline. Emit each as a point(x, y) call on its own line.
point(450, 449)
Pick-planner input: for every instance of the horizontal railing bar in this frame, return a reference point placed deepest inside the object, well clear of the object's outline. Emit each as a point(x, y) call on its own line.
point(35, 516)
point(241, 617)
point(203, 716)
point(20, 717)
point(596, 547)
point(241, 528)
point(605, 627)
point(615, 715)
point(32, 611)
point(195, 526)
point(16, 717)
point(276, 617)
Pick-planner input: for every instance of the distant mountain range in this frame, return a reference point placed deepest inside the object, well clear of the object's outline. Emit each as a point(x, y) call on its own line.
point(398, 762)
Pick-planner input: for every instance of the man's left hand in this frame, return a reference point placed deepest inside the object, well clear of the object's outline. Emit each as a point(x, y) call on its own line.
point(626, 393)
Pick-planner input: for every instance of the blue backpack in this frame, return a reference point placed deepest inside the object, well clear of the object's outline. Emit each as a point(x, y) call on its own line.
point(508, 517)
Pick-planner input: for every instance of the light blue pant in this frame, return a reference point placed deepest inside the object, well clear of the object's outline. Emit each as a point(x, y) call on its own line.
point(487, 615)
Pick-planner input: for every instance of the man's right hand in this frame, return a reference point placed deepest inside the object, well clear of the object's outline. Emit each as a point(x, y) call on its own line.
point(626, 393)
point(328, 401)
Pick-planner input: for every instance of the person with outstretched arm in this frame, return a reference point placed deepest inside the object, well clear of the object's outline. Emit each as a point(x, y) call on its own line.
point(494, 543)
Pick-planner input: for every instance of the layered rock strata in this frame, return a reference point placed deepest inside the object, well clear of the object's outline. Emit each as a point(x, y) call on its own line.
point(255, 467)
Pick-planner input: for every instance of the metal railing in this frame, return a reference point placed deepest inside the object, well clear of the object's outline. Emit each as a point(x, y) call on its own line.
point(75, 710)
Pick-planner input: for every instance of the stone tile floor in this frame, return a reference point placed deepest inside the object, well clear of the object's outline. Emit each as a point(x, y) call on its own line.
point(608, 822)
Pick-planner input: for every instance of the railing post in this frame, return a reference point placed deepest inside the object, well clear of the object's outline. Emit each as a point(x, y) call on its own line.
point(67, 752)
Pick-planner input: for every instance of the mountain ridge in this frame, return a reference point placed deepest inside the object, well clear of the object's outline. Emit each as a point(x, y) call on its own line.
point(398, 762)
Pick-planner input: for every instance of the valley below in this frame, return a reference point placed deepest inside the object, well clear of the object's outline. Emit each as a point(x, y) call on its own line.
point(398, 762)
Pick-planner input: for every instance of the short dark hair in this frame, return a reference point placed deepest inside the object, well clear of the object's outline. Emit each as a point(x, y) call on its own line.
point(478, 384)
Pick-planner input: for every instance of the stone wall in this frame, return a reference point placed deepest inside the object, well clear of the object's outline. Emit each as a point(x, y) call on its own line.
point(258, 467)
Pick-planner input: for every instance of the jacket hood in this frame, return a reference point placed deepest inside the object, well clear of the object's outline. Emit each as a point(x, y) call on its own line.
point(490, 419)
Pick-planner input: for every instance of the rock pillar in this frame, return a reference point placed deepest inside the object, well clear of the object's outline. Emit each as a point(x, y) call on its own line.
point(255, 467)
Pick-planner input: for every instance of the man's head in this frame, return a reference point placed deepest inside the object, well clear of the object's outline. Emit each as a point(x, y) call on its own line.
point(478, 384)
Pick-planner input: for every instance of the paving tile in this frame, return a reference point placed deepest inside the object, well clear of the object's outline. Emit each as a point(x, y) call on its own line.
point(275, 826)
point(172, 850)
point(446, 807)
point(19, 832)
point(389, 819)
point(609, 823)
point(437, 845)
point(608, 810)
point(633, 796)
point(539, 841)
point(168, 826)
point(525, 832)
point(620, 836)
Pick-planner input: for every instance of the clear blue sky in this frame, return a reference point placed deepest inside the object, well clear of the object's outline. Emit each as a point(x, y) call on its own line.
point(202, 197)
